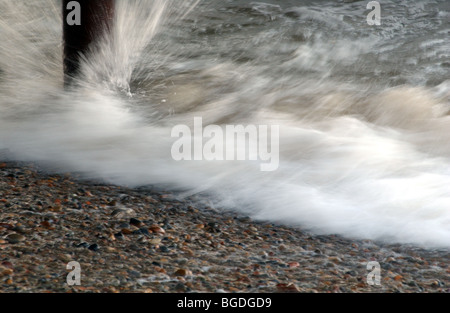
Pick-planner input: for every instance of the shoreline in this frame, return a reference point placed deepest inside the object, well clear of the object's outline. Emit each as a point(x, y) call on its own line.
point(146, 240)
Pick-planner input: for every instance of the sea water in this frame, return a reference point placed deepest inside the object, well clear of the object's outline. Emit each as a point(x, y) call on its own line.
point(362, 110)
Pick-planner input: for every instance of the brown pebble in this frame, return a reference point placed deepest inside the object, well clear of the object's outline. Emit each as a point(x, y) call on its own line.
point(157, 229)
point(183, 272)
point(435, 283)
point(293, 264)
point(110, 290)
point(47, 225)
point(398, 278)
point(65, 257)
point(7, 264)
point(335, 260)
point(15, 238)
point(5, 271)
point(6, 226)
point(160, 270)
point(291, 287)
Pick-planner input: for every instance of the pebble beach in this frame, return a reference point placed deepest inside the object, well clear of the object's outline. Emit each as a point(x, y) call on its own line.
point(148, 240)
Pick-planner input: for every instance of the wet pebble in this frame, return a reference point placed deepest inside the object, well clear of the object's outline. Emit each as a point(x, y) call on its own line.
point(136, 222)
point(164, 249)
point(94, 247)
point(15, 238)
point(183, 272)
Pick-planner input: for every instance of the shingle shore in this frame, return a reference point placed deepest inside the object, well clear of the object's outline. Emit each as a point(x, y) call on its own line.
point(147, 240)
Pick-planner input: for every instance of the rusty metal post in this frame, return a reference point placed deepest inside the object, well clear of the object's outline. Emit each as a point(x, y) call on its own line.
point(84, 22)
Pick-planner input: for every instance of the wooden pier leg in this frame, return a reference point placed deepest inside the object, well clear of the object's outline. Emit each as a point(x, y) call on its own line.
point(84, 22)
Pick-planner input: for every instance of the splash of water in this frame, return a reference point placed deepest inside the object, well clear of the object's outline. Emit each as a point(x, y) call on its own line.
point(359, 162)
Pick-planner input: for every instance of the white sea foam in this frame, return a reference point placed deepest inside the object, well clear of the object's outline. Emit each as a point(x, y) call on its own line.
point(362, 163)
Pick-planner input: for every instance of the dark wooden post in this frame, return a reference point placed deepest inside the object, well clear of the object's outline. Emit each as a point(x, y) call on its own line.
point(84, 22)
